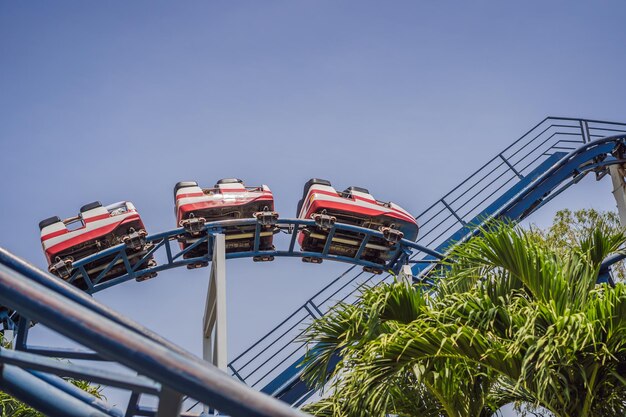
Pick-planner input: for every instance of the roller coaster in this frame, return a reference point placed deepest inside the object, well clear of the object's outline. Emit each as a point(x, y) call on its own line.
point(552, 156)
point(174, 257)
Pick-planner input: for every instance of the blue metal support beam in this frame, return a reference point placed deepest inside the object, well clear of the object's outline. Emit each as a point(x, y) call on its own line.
point(65, 353)
point(78, 393)
point(126, 347)
point(54, 284)
point(29, 361)
point(42, 396)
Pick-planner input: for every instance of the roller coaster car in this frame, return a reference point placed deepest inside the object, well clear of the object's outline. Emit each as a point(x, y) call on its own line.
point(353, 206)
point(94, 229)
point(229, 199)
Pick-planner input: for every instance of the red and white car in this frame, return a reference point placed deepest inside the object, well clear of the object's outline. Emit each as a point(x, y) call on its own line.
point(94, 229)
point(228, 199)
point(354, 206)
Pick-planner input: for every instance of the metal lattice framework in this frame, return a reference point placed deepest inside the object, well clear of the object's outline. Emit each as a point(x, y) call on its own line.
point(545, 161)
point(165, 244)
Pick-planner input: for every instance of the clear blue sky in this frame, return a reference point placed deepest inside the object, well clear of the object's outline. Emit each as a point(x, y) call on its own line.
point(120, 100)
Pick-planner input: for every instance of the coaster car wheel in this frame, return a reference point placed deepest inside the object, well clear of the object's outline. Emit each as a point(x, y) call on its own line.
point(151, 264)
point(312, 260)
point(266, 218)
point(324, 221)
point(391, 235)
point(62, 267)
point(135, 240)
point(372, 270)
point(263, 258)
point(197, 265)
point(194, 225)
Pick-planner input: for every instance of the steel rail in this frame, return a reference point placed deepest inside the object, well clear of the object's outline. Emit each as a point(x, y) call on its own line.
point(52, 283)
point(42, 396)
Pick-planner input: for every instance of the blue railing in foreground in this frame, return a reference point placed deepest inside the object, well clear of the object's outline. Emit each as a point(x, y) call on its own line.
point(166, 371)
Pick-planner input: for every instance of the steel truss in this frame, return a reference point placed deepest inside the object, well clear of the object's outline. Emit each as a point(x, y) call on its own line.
point(165, 244)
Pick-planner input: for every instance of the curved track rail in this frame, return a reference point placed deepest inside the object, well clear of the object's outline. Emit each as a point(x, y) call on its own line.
point(174, 257)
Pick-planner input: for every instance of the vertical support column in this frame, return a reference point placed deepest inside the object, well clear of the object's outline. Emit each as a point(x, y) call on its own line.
point(170, 403)
point(22, 333)
point(584, 130)
point(214, 323)
point(619, 191)
point(406, 274)
point(9, 338)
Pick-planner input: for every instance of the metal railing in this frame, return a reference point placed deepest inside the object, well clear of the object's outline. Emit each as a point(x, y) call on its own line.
point(265, 362)
point(472, 196)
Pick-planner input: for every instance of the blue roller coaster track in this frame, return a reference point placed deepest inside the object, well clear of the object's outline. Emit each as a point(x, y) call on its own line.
point(174, 257)
point(548, 159)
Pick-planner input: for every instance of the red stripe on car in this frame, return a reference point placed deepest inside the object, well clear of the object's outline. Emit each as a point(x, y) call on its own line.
point(90, 235)
point(54, 234)
point(96, 218)
point(397, 213)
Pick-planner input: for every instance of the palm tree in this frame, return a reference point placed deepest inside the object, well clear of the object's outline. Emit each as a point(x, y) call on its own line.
point(432, 388)
point(511, 320)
